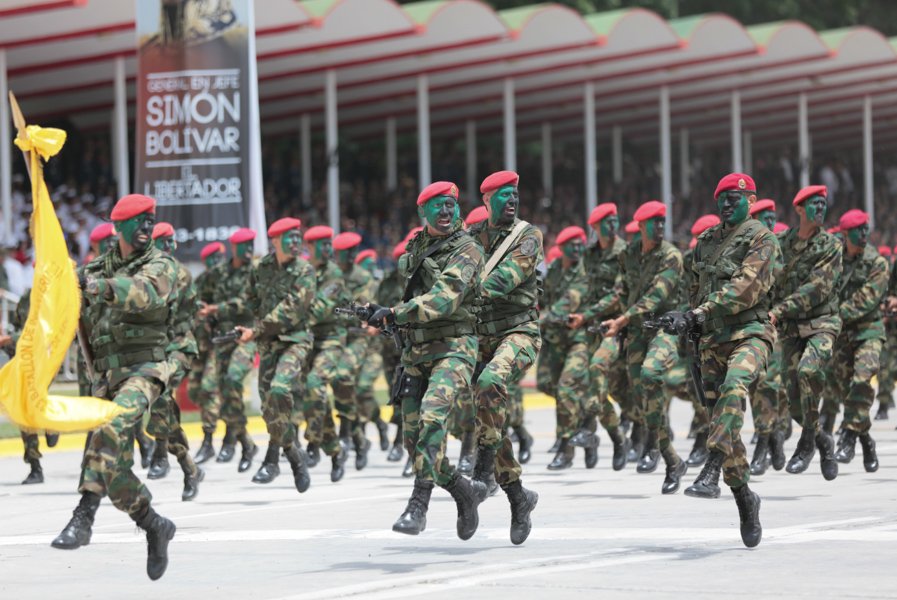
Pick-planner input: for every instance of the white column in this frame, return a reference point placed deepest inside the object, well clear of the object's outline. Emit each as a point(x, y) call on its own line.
point(666, 179)
point(255, 192)
point(121, 128)
point(547, 162)
point(748, 152)
point(868, 183)
point(684, 164)
point(803, 140)
point(470, 147)
point(332, 136)
point(617, 151)
point(588, 101)
point(735, 134)
point(5, 153)
point(305, 158)
point(424, 175)
point(392, 155)
point(510, 123)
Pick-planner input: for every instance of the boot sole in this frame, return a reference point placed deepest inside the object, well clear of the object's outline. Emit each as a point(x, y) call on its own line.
point(169, 535)
point(67, 547)
point(532, 508)
point(693, 494)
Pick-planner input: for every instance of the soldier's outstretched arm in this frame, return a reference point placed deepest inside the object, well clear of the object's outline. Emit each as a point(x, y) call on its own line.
point(447, 294)
point(516, 267)
point(154, 287)
point(662, 288)
point(752, 279)
point(295, 306)
point(870, 295)
point(816, 289)
point(608, 304)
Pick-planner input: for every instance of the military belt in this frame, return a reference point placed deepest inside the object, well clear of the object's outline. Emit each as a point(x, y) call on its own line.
point(499, 325)
point(421, 336)
point(742, 318)
point(181, 328)
point(126, 359)
point(820, 311)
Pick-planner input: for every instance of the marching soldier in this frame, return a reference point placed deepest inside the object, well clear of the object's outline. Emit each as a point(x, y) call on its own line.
point(127, 294)
point(389, 294)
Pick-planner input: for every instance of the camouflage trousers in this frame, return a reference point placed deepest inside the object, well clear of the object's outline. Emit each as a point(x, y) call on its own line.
point(320, 428)
point(391, 359)
point(108, 458)
point(165, 417)
point(548, 368)
point(728, 370)
point(854, 364)
point(515, 409)
point(572, 388)
point(234, 363)
point(202, 389)
point(804, 361)
point(32, 446)
point(649, 359)
point(281, 365)
point(345, 379)
point(766, 394)
point(887, 372)
point(463, 418)
point(371, 367)
point(678, 383)
point(425, 416)
point(608, 377)
point(506, 360)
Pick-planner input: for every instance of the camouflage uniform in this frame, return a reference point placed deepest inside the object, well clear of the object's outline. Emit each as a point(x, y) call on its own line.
point(887, 374)
point(202, 381)
point(548, 366)
point(389, 294)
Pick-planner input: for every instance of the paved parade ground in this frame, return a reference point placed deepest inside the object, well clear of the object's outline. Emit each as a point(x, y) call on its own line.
point(598, 532)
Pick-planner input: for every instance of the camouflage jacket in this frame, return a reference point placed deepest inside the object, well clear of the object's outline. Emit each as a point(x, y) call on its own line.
point(128, 322)
point(330, 292)
point(205, 284)
point(362, 288)
point(649, 282)
point(510, 293)
point(804, 298)
point(732, 274)
point(182, 343)
point(389, 292)
point(437, 313)
point(861, 290)
point(231, 293)
point(604, 271)
point(280, 297)
point(564, 297)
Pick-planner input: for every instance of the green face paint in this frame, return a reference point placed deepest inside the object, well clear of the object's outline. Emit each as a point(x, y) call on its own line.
point(322, 250)
point(214, 259)
point(504, 204)
point(608, 226)
point(768, 218)
point(654, 228)
point(104, 245)
point(859, 236)
point(816, 207)
point(573, 250)
point(733, 207)
point(637, 236)
point(368, 264)
point(291, 242)
point(166, 244)
point(138, 230)
point(441, 212)
point(244, 251)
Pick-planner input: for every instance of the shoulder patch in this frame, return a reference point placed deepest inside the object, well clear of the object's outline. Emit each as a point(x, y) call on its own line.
point(529, 247)
point(468, 272)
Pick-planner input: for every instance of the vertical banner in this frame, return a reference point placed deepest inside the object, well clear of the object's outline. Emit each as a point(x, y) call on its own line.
point(196, 133)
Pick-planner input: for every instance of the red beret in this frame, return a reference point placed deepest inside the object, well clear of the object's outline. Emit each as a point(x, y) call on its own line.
point(318, 232)
point(704, 223)
point(554, 253)
point(210, 249)
point(496, 180)
point(570, 233)
point(399, 250)
point(811, 190)
point(631, 227)
point(834, 230)
point(440, 188)
point(101, 232)
point(346, 240)
point(761, 205)
point(163, 229)
point(242, 235)
point(735, 181)
point(884, 250)
point(649, 210)
point(693, 243)
point(281, 226)
point(780, 228)
point(602, 210)
point(365, 254)
point(131, 206)
point(413, 233)
point(477, 215)
point(853, 218)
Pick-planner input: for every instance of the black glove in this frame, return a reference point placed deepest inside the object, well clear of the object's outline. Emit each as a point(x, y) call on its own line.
point(382, 315)
point(672, 322)
point(693, 320)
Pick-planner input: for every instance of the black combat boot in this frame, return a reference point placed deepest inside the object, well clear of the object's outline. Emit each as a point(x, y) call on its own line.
point(693, 428)
point(77, 532)
point(159, 531)
point(159, 467)
point(637, 445)
point(362, 447)
point(314, 455)
point(468, 459)
point(847, 448)
point(52, 438)
point(827, 422)
point(270, 468)
point(484, 473)
point(395, 453)
point(249, 448)
point(760, 461)
point(555, 446)
point(337, 464)
point(651, 454)
point(777, 449)
point(345, 432)
point(383, 432)
point(36, 475)
point(523, 502)
point(408, 469)
point(707, 483)
point(749, 514)
point(466, 500)
point(206, 451)
point(564, 457)
point(584, 438)
point(621, 448)
point(526, 445)
point(803, 453)
point(676, 469)
point(827, 462)
point(228, 446)
point(591, 452)
point(145, 444)
point(870, 458)
point(414, 520)
point(882, 414)
point(191, 482)
point(699, 452)
point(298, 462)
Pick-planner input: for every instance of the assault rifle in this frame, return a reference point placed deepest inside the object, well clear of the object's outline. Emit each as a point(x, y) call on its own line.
point(227, 337)
point(675, 323)
point(364, 313)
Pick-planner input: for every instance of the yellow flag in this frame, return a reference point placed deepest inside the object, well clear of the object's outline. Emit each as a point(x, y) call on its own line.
point(52, 318)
